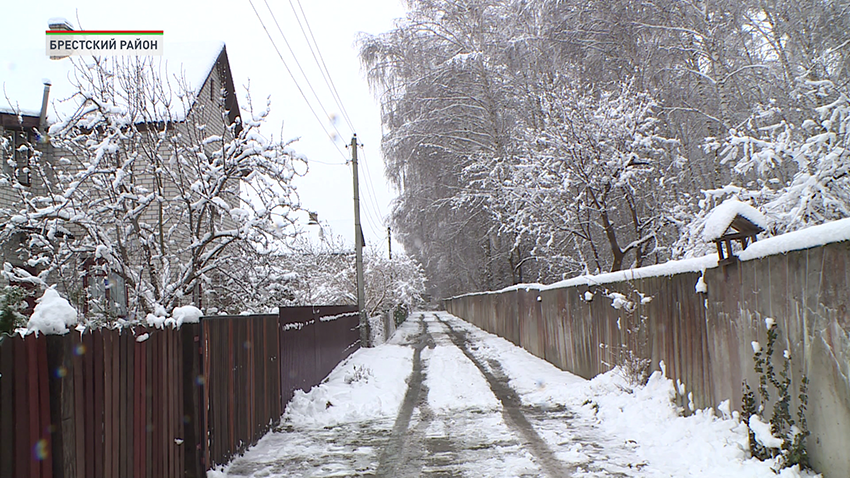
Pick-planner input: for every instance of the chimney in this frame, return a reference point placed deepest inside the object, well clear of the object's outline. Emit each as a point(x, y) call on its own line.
point(59, 24)
point(42, 119)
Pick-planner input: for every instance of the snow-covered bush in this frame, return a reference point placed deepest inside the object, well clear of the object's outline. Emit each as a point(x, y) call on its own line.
point(53, 314)
point(11, 305)
point(635, 369)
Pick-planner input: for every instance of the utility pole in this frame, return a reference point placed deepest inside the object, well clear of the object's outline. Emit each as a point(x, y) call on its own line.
point(358, 246)
point(390, 250)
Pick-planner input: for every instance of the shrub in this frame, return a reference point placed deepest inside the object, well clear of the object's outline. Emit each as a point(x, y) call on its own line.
point(786, 441)
point(11, 305)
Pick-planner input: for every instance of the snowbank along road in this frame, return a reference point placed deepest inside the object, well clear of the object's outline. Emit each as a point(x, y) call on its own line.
point(443, 398)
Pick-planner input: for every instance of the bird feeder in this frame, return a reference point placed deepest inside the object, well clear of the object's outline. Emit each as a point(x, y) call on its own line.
point(740, 229)
point(729, 222)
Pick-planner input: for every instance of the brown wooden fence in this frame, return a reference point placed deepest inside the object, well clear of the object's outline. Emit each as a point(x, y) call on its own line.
point(97, 404)
point(242, 363)
point(313, 340)
point(154, 403)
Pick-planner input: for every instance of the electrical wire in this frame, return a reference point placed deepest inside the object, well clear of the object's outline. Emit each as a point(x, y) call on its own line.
point(298, 63)
point(373, 217)
point(328, 79)
point(369, 215)
point(371, 186)
point(288, 70)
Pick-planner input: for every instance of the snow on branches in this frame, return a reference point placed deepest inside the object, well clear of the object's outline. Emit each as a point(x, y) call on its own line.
point(151, 185)
point(587, 183)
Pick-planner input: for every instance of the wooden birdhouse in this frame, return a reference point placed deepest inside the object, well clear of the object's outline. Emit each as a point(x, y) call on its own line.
point(733, 221)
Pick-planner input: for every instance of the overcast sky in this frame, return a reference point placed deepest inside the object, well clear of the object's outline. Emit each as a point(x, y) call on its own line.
point(335, 24)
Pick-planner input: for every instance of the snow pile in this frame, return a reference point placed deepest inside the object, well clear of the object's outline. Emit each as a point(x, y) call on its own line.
point(188, 314)
point(701, 287)
point(721, 217)
point(52, 314)
point(619, 301)
point(159, 317)
point(369, 384)
point(763, 433)
point(645, 418)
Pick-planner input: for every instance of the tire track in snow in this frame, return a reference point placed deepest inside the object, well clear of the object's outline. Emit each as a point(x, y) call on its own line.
point(400, 457)
point(511, 406)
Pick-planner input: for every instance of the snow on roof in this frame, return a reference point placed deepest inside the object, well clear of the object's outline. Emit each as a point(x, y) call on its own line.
point(23, 71)
point(721, 217)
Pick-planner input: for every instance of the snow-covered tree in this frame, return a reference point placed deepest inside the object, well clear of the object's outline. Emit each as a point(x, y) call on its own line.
point(149, 186)
point(390, 283)
point(587, 187)
point(308, 272)
point(473, 94)
point(796, 173)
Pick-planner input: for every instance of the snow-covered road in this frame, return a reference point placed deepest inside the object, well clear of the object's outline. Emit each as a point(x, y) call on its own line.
point(443, 398)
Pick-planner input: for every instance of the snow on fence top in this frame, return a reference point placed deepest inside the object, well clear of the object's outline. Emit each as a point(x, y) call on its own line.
point(836, 231)
point(815, 236)
point(721, 217)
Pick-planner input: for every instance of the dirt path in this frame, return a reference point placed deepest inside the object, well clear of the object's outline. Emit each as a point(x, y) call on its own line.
point(459, 417)
point(512, 407)
point(402, 456)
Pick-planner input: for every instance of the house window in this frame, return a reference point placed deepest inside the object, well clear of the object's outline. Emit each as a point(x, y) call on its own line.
point(107, 295)
point(106, 291)
point(17, 152)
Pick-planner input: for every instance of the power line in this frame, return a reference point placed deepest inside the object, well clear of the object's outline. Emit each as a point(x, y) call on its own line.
point(321, 124)
point(366, 208)
point(294, 57)
point(328, 79)
point(372, 217)
point(323, 162)
point(370, 186)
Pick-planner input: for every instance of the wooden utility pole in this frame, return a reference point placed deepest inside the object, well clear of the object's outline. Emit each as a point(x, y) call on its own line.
point(358, 246)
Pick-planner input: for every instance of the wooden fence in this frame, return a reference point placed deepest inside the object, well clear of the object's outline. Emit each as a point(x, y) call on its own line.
point(704, 339)
point(313, 340)
point(154, 403)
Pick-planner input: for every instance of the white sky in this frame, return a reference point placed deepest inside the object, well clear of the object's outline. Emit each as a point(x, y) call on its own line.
point(327, 188)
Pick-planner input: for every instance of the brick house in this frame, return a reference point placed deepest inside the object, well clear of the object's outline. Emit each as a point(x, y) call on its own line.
point(29, 104)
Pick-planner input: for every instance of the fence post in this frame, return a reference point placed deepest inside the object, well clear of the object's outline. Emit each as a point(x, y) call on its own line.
point(60, 369)
point(193, 383)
